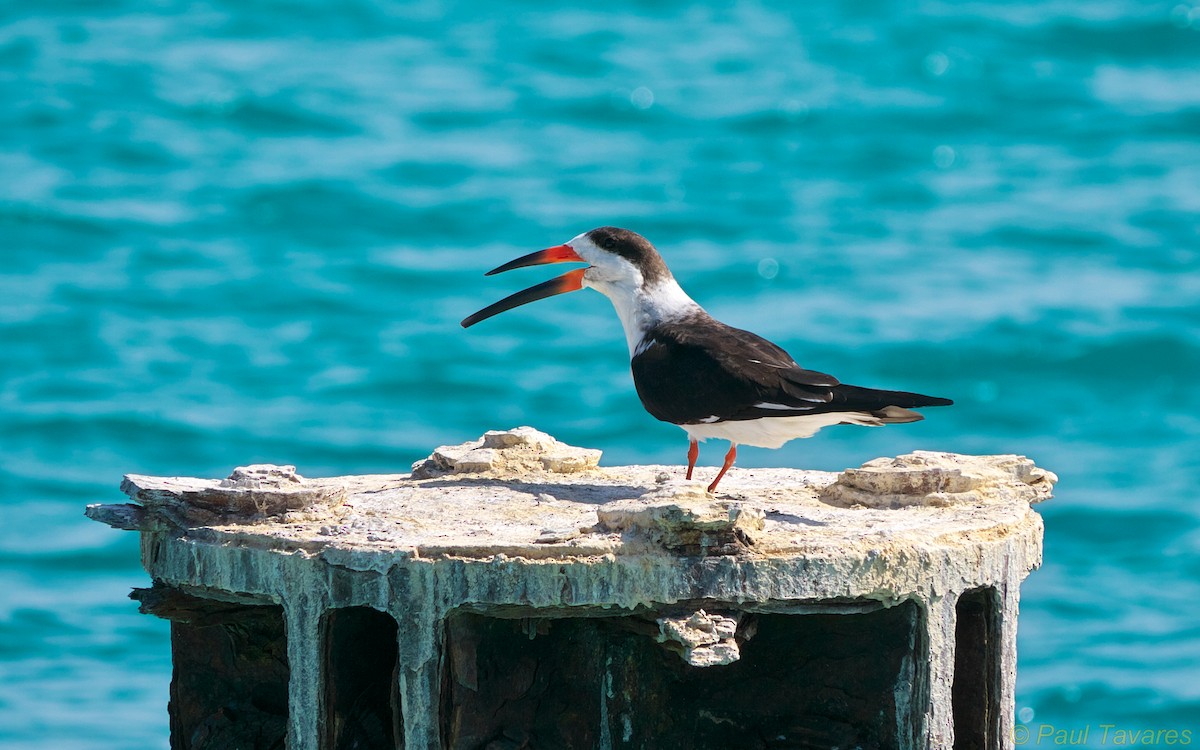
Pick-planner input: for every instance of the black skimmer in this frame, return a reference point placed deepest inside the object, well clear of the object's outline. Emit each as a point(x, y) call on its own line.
point(713, 380)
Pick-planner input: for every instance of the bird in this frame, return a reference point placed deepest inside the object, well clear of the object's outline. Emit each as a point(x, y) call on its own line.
point(692, 370)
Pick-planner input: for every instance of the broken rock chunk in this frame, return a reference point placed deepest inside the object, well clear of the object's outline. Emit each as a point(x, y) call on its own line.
point(509, 453)
point(940, 479)
point(707, 639)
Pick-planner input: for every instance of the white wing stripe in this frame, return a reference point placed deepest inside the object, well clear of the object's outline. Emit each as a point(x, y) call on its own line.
point(782, 407)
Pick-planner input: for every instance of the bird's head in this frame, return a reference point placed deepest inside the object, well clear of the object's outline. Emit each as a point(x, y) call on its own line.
point(621, 264)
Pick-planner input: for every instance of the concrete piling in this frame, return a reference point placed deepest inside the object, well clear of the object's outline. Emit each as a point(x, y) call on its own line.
point(511, 593)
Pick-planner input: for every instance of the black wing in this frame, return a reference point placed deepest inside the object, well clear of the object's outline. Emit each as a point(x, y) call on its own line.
point(694, 370)
point(705, 371)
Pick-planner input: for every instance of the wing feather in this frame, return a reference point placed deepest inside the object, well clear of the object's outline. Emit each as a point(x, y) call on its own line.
point(688, 374)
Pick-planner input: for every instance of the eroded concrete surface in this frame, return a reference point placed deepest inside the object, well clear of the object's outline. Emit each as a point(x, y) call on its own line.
point(521, 493)
point(517, 521)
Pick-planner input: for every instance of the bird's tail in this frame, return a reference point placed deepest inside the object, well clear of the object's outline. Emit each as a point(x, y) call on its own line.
point(889, 407)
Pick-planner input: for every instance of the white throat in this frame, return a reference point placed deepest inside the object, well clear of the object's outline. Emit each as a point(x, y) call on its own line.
point(640, 309)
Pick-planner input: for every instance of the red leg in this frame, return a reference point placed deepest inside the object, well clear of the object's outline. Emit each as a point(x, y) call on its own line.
point(729, 458)
point(693, 454)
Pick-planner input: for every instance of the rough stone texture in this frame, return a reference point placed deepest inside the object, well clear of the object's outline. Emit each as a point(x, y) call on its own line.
point(927, 478)
point(126, 516)
point(685, 518)
point(507, 452)
point(249, 495)
point(506, 534)
point(708, 639)
point(229, 687)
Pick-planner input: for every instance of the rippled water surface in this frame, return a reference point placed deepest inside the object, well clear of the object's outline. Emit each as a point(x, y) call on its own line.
point(246, 231)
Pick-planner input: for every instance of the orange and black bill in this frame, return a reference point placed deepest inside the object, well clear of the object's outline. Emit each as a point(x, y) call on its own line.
point(556, 254)
point(569, 282)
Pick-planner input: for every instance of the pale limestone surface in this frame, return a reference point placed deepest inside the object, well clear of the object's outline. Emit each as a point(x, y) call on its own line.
point(518, 519)
point(708, 639)
point(928, 478)
point(512, 452)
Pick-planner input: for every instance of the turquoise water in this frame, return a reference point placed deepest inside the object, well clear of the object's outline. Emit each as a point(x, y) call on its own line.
point(236, 232)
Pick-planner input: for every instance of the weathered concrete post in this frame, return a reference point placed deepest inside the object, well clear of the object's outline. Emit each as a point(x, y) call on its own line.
point(509, 594)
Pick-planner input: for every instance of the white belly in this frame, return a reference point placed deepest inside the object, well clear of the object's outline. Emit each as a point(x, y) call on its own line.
point(772, 432)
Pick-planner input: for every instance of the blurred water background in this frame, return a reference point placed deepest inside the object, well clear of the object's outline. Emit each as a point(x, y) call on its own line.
point(246, 231)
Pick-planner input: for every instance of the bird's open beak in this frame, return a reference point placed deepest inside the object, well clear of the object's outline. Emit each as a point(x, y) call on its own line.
point(569, 282)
